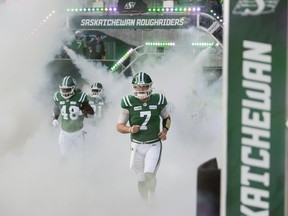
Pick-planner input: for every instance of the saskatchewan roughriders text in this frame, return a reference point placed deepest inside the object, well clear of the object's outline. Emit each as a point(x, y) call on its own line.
point(132, 22)
point(255, 128)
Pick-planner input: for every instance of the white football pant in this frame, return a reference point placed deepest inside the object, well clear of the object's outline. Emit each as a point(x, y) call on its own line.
point(73, 141)
point(147, 159)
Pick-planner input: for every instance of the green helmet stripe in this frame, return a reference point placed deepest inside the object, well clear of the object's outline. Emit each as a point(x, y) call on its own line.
point(65, 80)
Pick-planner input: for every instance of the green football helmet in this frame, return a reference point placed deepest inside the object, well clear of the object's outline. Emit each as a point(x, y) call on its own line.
point(142, 85)
point(67, 87)
point(96, 89)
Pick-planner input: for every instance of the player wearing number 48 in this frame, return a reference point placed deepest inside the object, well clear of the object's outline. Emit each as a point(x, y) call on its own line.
point(145, 112)
point(70, 108)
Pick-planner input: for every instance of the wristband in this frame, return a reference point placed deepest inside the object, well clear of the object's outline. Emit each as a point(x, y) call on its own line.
point(166, 123)
point(130, 131)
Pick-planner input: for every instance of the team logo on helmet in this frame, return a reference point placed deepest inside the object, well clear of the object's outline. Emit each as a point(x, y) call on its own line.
point(67, 87)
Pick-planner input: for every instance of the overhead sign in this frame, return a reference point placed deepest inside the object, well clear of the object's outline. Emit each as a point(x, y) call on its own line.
point(130, 6)
point(256, 105)
point(130, 21)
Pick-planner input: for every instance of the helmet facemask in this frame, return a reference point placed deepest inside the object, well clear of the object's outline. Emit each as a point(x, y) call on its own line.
point(96, 90)
point(67, 87)
point(142, 85)
point(142, 91)
point(67, 92)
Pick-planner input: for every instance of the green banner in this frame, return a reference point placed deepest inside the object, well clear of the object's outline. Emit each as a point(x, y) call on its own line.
point(171, 21)
point(256, 98)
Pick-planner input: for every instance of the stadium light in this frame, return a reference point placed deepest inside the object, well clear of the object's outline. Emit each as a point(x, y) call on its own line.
point(121, 60)
point(163, 43)
point(45, 20)
point(93, 9)
point(150, 10)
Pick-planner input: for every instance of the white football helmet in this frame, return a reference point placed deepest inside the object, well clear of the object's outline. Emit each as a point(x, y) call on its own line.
point(78, 34)
point(96, 89)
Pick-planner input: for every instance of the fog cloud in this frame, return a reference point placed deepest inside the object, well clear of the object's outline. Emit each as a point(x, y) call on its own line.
point(33, 181)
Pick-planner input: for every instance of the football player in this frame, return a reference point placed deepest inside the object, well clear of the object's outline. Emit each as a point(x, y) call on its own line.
point(71, 106)
point(97, 99)
point(78, 44)
point(149, 122)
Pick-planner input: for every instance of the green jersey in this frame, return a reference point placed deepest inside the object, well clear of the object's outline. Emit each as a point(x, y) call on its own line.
point(70, 121)
point(147, 115)
point(78, 45)
point(98, 104)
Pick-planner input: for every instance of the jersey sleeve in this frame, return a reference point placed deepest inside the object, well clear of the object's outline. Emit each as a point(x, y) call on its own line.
point(83, 98)
point(56, 96)
point(162, 101)
point(126, 102)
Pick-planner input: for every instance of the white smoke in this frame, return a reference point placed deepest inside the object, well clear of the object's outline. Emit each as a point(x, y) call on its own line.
point(33, 181)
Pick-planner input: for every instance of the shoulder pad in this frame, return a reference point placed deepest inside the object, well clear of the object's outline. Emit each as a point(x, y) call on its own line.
point(57, 96)
point(161, 99)
point(82, 97)
point(126, 101)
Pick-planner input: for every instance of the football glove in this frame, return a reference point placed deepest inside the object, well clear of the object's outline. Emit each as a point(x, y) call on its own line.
point(286, 123)
point(55, 123)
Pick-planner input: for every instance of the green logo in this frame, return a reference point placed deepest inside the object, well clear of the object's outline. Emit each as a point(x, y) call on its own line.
point(254, 7)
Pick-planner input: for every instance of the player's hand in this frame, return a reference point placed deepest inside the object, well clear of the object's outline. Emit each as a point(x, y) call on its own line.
point(76, 111)
point(134, 129)
point(163, 135)
point(55, 123)
point(286, 123)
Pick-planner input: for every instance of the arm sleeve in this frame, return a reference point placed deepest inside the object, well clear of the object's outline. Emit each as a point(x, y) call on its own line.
point(123, 117)
point(56, 111)
point(164, 112)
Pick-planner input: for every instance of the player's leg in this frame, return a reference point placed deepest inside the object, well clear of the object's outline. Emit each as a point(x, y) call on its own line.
point(138, 166)
point(143, 189)
point(151, 181)
point(65, 143)
point(79, 143)
point(133, 149)
point(152, 162)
